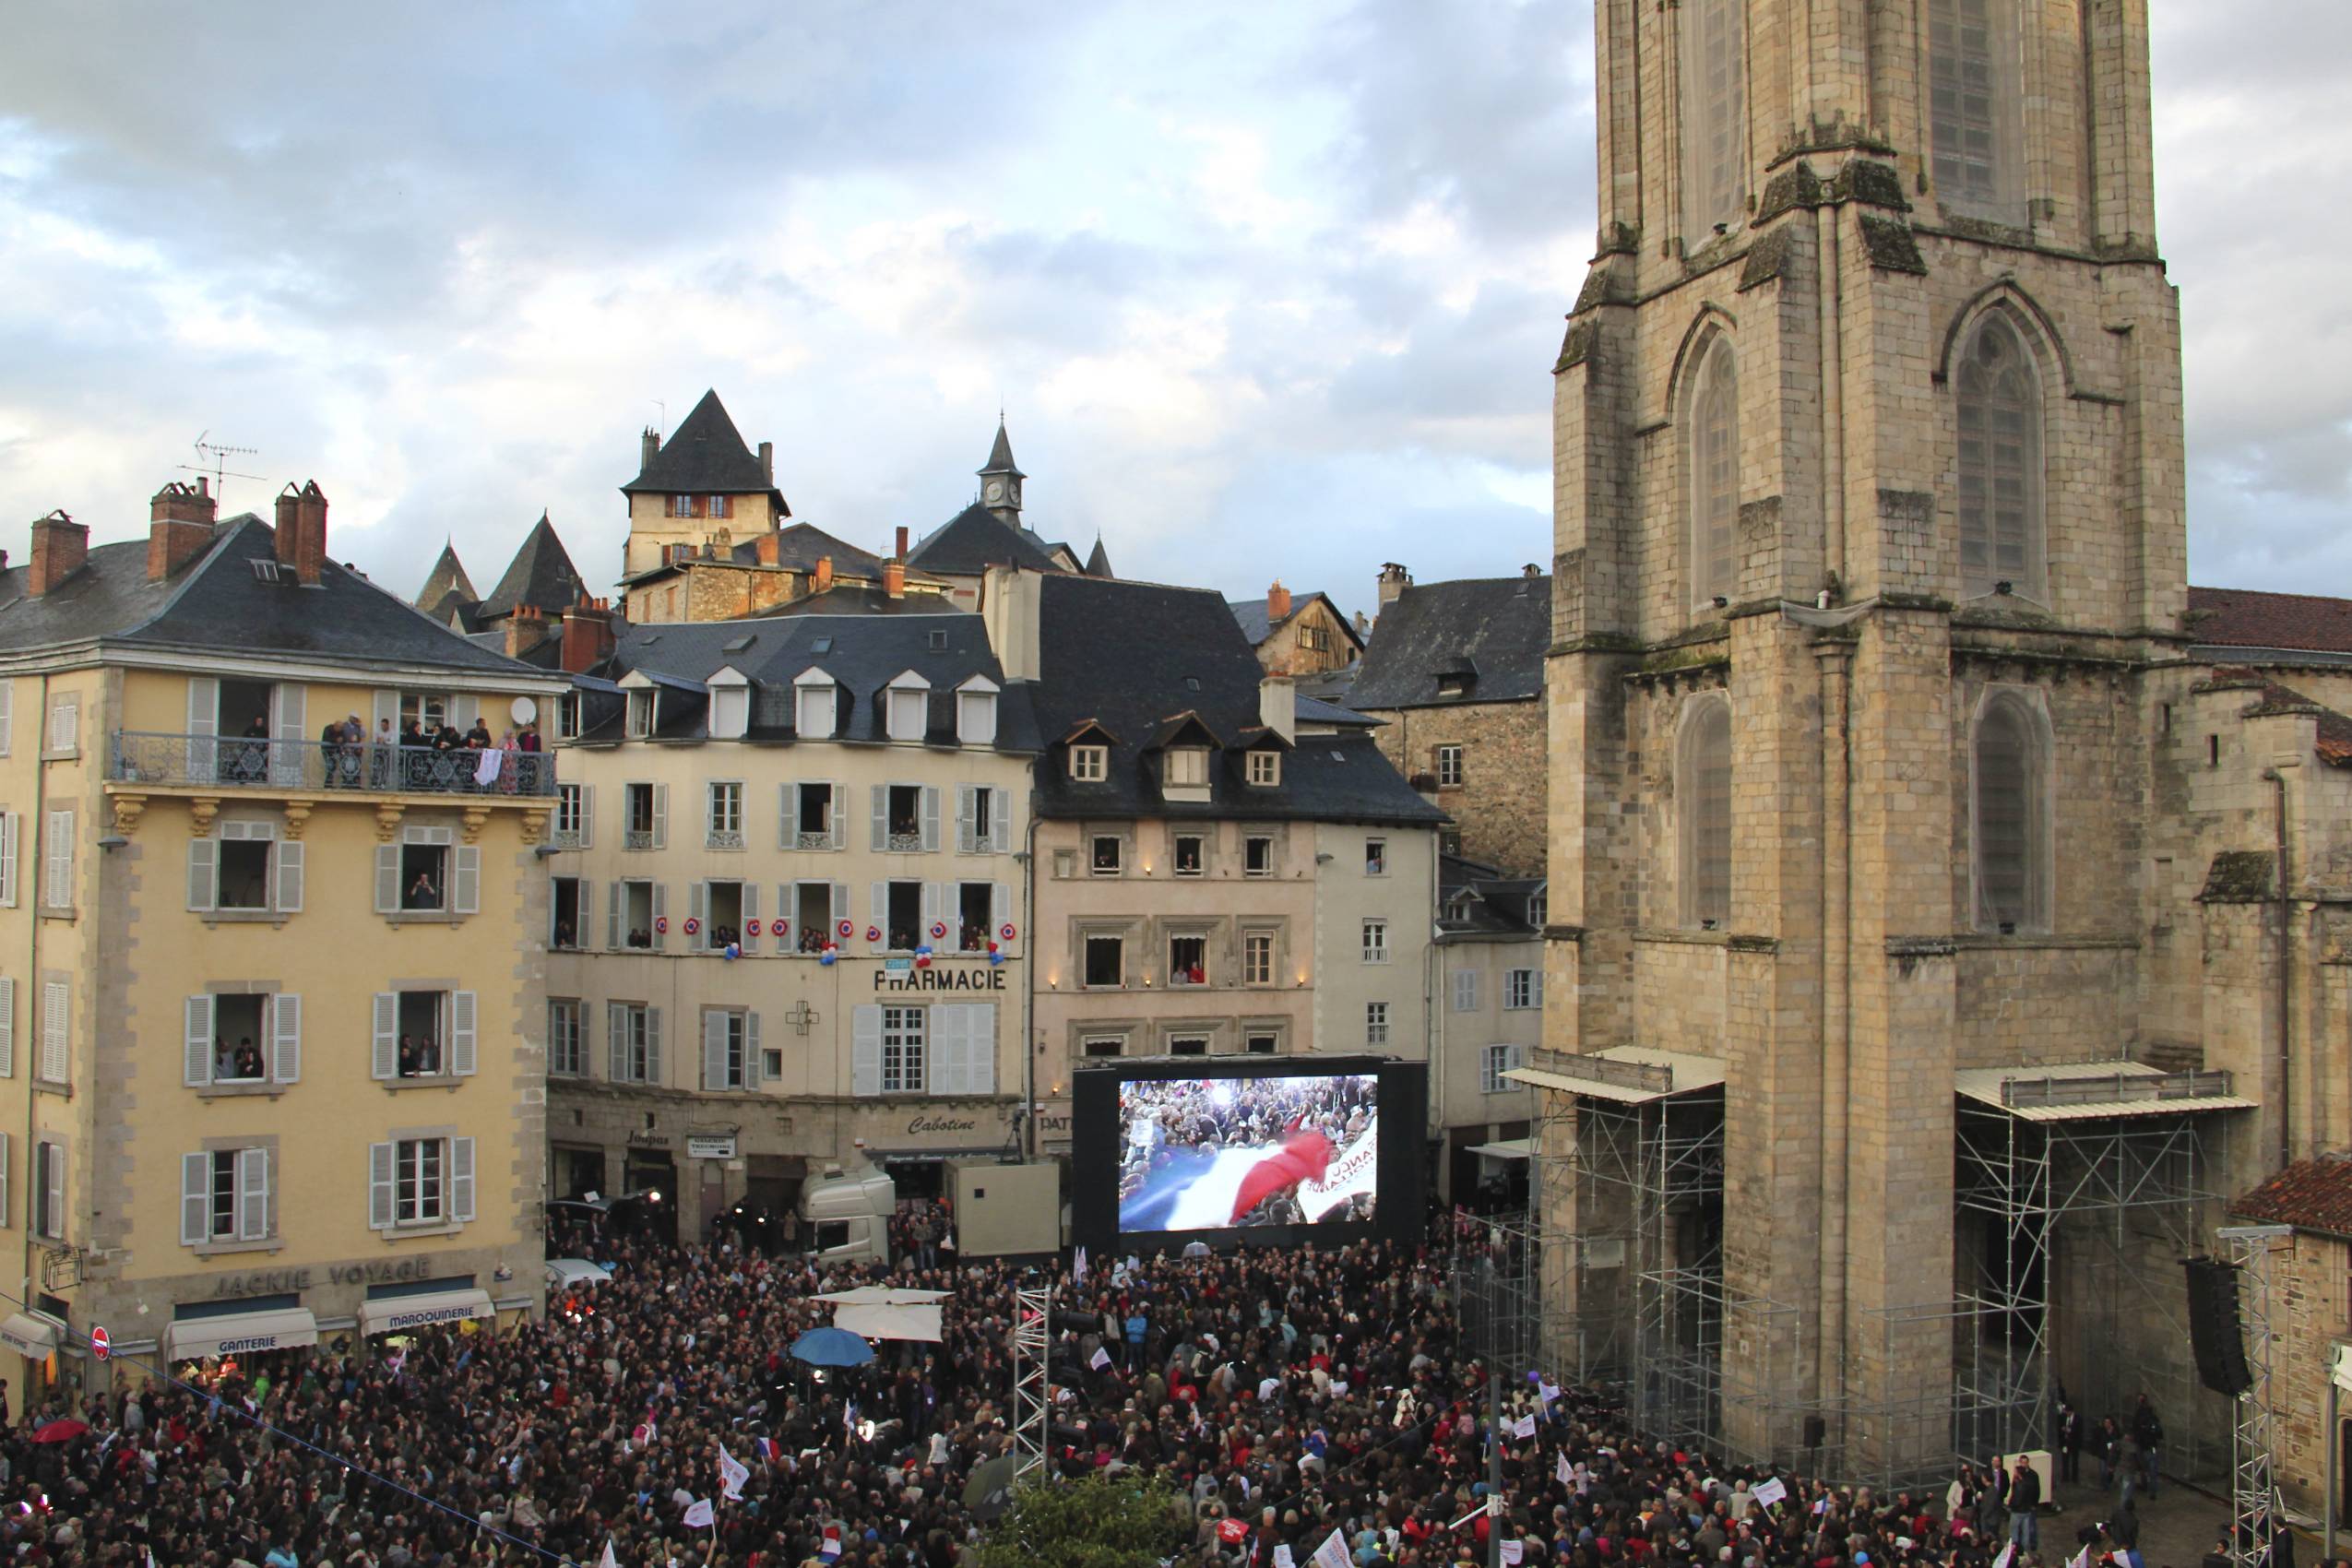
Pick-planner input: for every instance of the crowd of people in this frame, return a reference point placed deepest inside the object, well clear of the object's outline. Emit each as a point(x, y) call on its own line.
point(1282, 1394)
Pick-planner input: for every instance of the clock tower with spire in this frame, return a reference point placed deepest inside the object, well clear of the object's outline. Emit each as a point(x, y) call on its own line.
point(1000, 480)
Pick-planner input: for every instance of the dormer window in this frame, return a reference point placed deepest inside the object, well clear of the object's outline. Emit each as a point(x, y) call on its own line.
point(907, 715)
point(1090, 764)
point(641, 715)
point(1188, 766)
point(1266, 768)
point(975, 712)
point(813, 705)
point(730, 706)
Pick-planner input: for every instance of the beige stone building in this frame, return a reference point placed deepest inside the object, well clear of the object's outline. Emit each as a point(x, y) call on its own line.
point(1891, 805)
point(270, 1054)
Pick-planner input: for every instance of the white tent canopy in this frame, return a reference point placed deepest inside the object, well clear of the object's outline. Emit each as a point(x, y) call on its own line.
point(885, 1312)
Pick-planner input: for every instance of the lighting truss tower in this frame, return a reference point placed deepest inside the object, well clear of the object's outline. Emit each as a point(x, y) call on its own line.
point(1032, 1379)
point(2253, 1493)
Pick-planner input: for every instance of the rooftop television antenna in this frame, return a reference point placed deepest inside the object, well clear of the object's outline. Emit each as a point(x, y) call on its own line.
point(212, 457)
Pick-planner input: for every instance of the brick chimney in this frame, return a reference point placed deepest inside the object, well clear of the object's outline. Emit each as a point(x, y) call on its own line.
point(180, 518)
point(1394, 581)
point(649, 448)
point(302, 530)
point(59, 547)
point(588, 636)
point(1278, 604)
point(525, 629)
point(823, 578)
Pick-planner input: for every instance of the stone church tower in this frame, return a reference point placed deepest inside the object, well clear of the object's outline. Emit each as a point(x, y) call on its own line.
point(1868, 532)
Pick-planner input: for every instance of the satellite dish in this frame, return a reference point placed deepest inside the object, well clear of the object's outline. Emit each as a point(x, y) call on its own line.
point(524, 710)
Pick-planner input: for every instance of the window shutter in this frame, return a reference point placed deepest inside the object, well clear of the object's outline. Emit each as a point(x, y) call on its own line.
point(286, 1027)
point(787, 815)
point(835, 809)
point(881, 793)
point(7, 1034)
point(931, 816)
point(379, 1186)
point(467, 895)
point(253, 1193)
point(661, 816)
point(195, 1199)
point(53, 1062)
point(195, 1067)
point(203, 722)
point(1000, 831)
point(653, 1045)
point(462, 1180)
point(588, 816)
point(289, 876)
point(612, 916)
point(966, 836)
point(865, 1051)
point(616, 1041)
point(204, 872)
point(751, 1052)
point(387, 1055)
point(461, 1033)
point(8, 859)
point(388, 878)
point(661, 912)
point(714, 1050)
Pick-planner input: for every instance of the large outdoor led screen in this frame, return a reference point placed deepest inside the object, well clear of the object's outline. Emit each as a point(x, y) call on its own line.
point(1233, 1152)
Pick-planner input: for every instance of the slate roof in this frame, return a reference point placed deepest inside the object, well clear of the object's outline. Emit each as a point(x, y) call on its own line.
point(1131, 658)
point(2241, 618)
point(975, 539)
point(541, 576)
point(1099, 560)
point(2333, 736)
point(2310, 1194)
point(862, 653)
point(217, 604)
point(705, 456)
point(448, 577)
point(1500, 626)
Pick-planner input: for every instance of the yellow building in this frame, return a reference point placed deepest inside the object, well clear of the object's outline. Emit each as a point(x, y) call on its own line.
point(270, 1006)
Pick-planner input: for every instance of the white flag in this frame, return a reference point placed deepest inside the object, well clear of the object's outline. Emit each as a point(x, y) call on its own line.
point(732, 1473)
point(1332, 1553)
point(608, 1560)
point(700, 1515)
point(2008, 1555)
point(1511, 1551)
point(1524, 1427)
point(1099, 1360)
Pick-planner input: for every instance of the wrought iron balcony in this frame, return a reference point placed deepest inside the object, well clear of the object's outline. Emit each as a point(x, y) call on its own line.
point(214, 762)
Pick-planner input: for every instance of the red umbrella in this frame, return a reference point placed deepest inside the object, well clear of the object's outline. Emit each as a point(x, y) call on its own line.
point(59, 1432)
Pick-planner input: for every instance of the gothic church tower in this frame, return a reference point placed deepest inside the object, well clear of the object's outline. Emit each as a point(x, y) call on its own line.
point(1868, 524)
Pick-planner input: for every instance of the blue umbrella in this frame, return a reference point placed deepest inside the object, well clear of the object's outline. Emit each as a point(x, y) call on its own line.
point(831, 1347)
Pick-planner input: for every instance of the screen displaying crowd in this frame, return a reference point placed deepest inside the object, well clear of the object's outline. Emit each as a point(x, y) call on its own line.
point(1206, 1154)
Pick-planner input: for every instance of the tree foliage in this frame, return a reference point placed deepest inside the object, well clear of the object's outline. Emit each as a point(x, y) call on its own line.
point(1120, 1521)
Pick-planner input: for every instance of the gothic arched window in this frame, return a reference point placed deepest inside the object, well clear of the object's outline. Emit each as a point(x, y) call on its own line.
point(1715, 143)
point(2001, 463)
point(2011, 768)
point(1975, 102)
point(1714, 417)
point(1703, 791)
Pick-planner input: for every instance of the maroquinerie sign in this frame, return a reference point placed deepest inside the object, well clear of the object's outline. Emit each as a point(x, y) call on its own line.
point(970, 977)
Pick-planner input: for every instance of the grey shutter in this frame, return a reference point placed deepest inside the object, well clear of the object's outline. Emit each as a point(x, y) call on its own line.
point(462, 1180)
point(203, 722)
point(714, 1050)
point(461, 1033)
point(931, 816)
point(465, 897)
point(195, 1067)
point(195, 1199)
point(386, 1058)
point(379, 1186)
point(752, 1069)
point(388, 878)
point(966, 837)
point(881, 817)
point(865, 1051)
point(288, 854)
point(253, 1193)
point(787, 815)
point(661, 816)
point(837, 813)
point(1000, 827)
point(286, 1031)
point(203, 873)
point(616, 1041)
point(661, 913)
point(611, 917)
point(653, 1045)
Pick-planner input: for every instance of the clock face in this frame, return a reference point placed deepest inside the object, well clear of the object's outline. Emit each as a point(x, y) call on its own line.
point(996, 489)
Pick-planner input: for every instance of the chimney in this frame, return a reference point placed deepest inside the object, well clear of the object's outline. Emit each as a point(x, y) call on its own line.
point(588, 636)
point(1394, 581)
point(1278, 704)
point(649, 448)
point(525, 629)
point(768, 461)
point(59, 547)
point(302, 530)
point(1278, 604)
point(901, 552)
point(894, 577)
point(179, 526)
point(824, 578)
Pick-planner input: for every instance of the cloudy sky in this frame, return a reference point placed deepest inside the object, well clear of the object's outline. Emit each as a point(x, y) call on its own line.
point(1263, 289)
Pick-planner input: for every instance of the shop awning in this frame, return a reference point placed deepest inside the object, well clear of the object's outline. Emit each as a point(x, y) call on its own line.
point(1507, 1148)
point(239, 1334)
point(28, 1336)
point(1630, 1074)
point(399, 1314)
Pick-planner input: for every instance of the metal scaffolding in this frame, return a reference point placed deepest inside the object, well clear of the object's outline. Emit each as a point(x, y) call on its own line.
point(1032, 1378)
point(2255, 1513)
